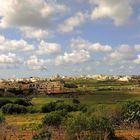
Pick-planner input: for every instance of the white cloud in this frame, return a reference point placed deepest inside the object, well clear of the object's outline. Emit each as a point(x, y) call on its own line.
point(137, 47)
point(116, 56)
point(37, 64)
point(35, 33)
point(14, 45)
point(48, 48)
point(74, 57)
point(137, 60)
point(123, 54)
point(28, 13)
point(37, 15)
point(124, 48)
point(72, 22)
point(9, 61)
point(85, 44)
point(117, 10)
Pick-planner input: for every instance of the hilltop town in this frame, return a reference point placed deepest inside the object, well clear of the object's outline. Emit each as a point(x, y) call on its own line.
point(55, 84)
point(34, 84)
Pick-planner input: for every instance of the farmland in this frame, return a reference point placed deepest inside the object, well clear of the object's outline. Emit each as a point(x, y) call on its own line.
point(99, 97)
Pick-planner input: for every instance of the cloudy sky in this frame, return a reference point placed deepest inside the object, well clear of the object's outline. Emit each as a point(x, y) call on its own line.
point(69, 37)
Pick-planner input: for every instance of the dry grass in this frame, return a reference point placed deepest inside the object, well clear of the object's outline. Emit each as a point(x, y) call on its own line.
point(128, 134)
point(24, 119)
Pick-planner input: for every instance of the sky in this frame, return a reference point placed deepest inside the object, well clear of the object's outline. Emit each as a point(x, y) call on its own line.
point(69, 37)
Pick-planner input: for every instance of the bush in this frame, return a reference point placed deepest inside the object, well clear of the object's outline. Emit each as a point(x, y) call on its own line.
point(54, 118)
point(33, 109)
point(79, 122)
point(75, 101)
point(74, 124)
point(4, 102)
point(48, 107)
point(22, 102)
point(56, 106)
point(64, 106)
point(13, 109)
point(80, 107)
point(100, 124)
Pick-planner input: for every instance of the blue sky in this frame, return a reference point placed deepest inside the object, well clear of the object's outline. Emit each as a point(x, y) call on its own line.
point(72, 37)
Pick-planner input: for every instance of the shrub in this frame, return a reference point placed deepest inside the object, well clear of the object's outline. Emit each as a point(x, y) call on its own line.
point(33, 109)
point(82, 108)
point(48, 107)
point(76, 101)
point(78, 122)
point(63, 106)
point(79, 107)
point(100, 124)
point(54, 118)
point(4, 102)
point(56, 106)
point(75, 123)
point(13, 109)
point(22, 102)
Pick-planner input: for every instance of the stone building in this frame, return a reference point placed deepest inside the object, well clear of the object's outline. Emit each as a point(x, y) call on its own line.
point(55, 87)
point(42, 87)
point(39, 87)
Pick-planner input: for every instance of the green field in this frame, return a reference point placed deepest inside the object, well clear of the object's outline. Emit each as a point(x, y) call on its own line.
point(96, 98)
point(101, 101)
point(96, 95)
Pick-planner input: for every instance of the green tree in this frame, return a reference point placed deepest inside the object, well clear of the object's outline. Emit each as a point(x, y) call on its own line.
point(103, 126)
point(75, 124)
point(100, 124)
point(54, 118)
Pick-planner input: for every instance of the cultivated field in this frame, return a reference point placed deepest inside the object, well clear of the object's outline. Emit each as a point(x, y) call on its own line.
point(100, 98)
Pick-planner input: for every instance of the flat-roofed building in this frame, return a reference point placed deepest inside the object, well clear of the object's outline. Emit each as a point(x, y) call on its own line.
point(55, 87)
